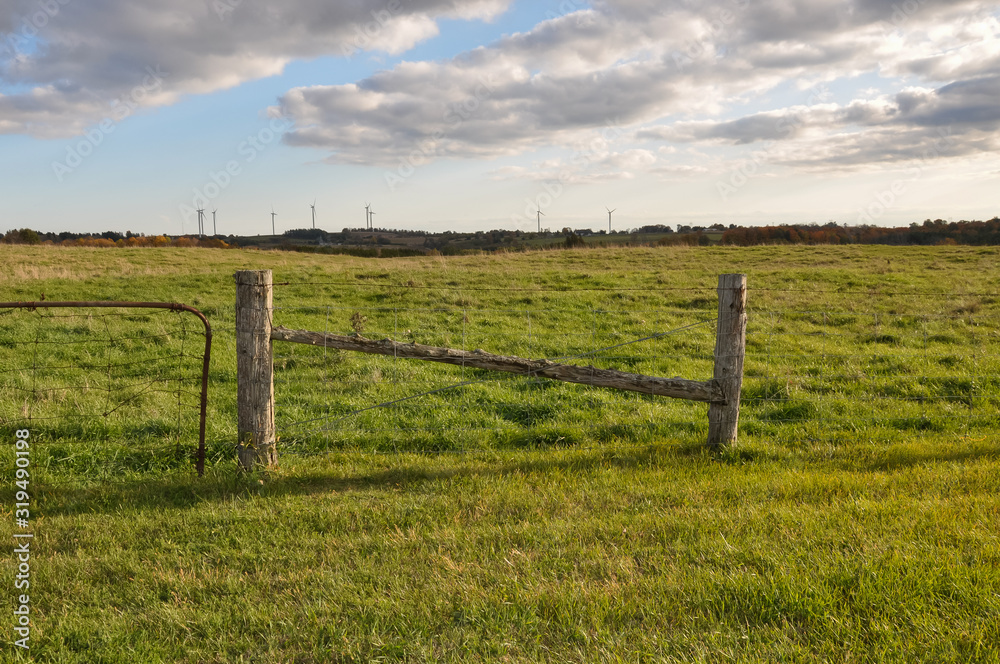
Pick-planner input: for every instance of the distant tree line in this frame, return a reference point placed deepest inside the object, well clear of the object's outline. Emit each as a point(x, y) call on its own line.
point(928, 233)
point(385, 242)
point(108, 239)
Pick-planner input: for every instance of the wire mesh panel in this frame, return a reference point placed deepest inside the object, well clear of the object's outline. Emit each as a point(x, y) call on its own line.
point(821, 366)
point(330, 399)
point(883, 377)
point(103, 391)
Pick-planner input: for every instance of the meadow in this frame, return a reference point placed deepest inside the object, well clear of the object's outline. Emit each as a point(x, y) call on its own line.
point(422, 512)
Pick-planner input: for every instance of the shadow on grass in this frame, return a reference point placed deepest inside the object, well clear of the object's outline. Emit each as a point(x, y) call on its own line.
point(227, 484)
point(224, 483)
point(909, 455)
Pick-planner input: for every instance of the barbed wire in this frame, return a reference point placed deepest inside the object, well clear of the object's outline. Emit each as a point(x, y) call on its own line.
point(876, 291)
point(492, 289)
point(363, 282)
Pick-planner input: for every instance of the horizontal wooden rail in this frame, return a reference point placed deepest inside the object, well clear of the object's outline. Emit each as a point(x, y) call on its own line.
point(677, 388)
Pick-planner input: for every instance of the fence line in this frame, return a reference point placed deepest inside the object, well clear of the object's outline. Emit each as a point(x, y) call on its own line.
point(371, 282)
point(256, 386)
point(812, 373)
point(363, 283)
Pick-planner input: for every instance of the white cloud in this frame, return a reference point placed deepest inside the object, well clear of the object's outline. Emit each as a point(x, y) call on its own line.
point(88, 53)
point(957, 120)
point(674, 72)
point(667, 70)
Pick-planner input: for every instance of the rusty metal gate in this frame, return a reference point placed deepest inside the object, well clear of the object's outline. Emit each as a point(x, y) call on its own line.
point(200, 462)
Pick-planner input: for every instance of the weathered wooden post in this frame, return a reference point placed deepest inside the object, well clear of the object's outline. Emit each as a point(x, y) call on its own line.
point(254, 370)
point(730, 349)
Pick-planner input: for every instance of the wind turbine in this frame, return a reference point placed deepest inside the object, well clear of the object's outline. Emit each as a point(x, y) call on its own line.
point(539, 216)
point(368, 215)
point(214, 230)
point(273, 215)
point(371, 223)
point(313, 206)
point(609, 218)
point(201, 216)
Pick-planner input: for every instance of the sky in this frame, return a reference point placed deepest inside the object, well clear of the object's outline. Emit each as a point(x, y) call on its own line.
point(478, 114)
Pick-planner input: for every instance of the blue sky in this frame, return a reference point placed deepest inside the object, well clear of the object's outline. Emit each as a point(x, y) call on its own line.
point(452, 115)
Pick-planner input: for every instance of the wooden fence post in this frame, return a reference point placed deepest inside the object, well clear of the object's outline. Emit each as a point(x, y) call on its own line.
point(730, 349)
point(254, 370)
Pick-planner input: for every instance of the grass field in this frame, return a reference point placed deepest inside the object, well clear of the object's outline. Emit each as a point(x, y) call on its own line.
point(857, 520)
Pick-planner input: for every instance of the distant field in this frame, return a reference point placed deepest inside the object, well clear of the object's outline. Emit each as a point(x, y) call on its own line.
point(616, 238)
point(858, 519)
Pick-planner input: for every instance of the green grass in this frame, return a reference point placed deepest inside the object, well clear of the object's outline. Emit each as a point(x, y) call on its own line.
point(857, 520)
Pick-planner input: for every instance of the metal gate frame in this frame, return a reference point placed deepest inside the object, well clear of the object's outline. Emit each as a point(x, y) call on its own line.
point(173, 306)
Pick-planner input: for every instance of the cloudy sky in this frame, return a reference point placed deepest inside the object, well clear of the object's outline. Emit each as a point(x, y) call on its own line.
point(472, 114)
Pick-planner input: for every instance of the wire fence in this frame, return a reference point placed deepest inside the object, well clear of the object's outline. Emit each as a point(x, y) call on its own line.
point(104, 392)
point(823, 367)
point(829, 376)
point(115, 391)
